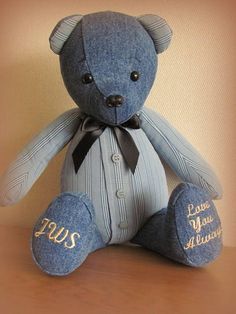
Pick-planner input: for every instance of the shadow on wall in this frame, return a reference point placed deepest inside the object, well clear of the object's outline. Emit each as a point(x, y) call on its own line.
point(33, 94)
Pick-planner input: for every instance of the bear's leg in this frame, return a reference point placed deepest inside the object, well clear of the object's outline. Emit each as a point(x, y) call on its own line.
point(65, 234)
point(187, 231)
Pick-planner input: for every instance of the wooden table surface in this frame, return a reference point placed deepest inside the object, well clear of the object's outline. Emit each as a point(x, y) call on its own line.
point(118, 279)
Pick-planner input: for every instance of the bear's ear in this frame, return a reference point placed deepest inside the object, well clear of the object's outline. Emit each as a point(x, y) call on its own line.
point(62, 31)
point(158, 29)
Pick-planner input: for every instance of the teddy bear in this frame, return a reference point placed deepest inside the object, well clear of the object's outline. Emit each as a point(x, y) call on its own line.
point(113, 183)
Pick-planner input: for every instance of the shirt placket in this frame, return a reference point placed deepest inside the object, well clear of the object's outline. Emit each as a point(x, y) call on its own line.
point(113, 165)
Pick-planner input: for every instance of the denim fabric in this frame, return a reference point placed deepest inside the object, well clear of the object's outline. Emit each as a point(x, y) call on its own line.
point(188, 231)
point(156, 27)
point(65, 234)
point(109, 46)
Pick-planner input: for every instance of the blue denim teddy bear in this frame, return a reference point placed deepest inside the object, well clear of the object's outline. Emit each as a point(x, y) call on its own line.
point(113, 184)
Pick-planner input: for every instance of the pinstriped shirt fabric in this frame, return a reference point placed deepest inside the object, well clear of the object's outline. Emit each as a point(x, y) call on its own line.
point(30, 163)
point(181, 156)
point(158, 29)
point(62, 31)
point(123, 201)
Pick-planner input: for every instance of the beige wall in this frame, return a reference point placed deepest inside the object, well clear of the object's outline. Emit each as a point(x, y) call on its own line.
point(195, 87)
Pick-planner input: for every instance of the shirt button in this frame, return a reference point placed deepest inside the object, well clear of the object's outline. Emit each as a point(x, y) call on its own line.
point(123, 224)
point(120, 194)
point(116, 158)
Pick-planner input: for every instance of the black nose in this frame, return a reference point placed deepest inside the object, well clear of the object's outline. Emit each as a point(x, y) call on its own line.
point(114, 101)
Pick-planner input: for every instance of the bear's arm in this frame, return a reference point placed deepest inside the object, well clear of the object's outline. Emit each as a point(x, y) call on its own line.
point(179, 154)
point(33, 159)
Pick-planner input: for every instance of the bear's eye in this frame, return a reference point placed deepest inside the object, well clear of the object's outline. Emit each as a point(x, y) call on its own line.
point(87, 78)
point(134, 76)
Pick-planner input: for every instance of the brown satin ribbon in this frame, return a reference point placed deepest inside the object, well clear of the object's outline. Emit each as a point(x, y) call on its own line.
point(92, 129)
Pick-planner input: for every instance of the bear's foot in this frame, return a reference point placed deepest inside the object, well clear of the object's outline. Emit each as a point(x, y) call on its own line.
point(188, 231)
point(65, 234)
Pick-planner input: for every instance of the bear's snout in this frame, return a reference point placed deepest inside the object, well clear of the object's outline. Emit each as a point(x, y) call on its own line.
point(114, 101)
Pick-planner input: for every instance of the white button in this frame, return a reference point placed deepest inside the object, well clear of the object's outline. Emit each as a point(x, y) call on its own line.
point(120, 194)
point(116, 157)
point(123, 224)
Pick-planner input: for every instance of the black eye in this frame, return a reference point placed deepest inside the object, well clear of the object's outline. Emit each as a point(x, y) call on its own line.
point(87, 78)
point(134, 76)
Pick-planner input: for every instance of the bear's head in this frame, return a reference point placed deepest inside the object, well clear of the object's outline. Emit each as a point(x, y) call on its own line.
point(109, 61)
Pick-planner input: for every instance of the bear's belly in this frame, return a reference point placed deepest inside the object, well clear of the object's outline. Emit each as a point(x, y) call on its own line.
point(123, 201)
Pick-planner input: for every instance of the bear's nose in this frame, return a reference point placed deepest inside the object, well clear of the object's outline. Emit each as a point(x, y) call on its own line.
point(114, 101)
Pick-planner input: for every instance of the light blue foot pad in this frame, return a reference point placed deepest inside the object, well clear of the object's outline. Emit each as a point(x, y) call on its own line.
point(198, 226)
point(188, 231)
point(65, 234)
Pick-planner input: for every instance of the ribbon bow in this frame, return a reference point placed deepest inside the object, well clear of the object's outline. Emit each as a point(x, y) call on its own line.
point(92, 129)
